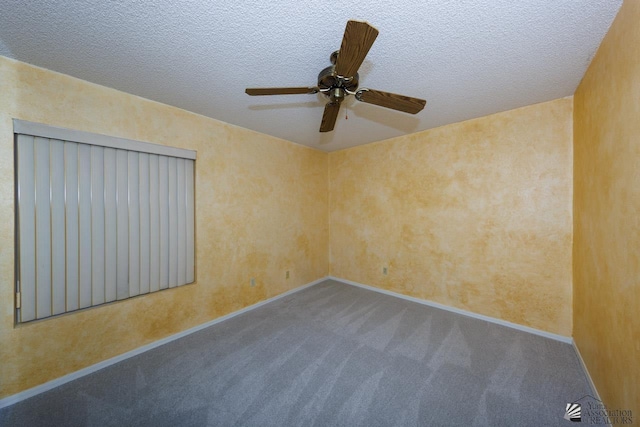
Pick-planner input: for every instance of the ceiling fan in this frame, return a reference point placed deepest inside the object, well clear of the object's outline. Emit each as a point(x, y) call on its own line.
point(341, 79)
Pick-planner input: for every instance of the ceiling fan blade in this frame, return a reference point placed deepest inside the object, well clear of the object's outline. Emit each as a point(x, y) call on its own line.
point(330, 116)
point(356, 42)
point(280, 90)
point(391, 100)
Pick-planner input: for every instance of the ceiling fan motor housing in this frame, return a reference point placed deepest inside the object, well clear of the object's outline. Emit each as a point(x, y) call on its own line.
point(336, 87)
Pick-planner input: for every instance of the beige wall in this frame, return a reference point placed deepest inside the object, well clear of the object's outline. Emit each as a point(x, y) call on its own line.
point(474, 215)
point(261, 210)
point(606, 247)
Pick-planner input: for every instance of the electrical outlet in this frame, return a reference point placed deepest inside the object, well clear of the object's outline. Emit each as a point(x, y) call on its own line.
point(253, 281)
point(384, 270)
point(287, 274)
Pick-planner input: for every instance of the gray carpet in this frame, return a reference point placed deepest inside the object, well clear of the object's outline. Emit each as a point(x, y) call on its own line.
point(330, 355)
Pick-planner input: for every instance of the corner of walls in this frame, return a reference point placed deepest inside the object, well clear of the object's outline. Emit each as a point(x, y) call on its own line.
point(571, 214)
point(332, 201)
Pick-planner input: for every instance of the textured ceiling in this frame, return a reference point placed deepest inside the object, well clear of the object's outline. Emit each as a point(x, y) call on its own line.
point(467, 58)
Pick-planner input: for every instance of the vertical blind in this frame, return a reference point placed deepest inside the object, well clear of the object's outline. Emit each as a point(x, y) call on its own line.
point(99, 219)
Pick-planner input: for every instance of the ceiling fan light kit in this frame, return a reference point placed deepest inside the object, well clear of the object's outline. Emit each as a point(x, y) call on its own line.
point(341, 79)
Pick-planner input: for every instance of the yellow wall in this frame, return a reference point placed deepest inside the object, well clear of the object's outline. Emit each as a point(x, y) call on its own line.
point(474, 215)
point(606, 247)
point(261, 209)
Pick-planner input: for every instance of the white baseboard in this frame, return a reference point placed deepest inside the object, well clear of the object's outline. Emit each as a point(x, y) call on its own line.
point(591, 383)
point(545, 334)
point(10, 400)
point(586, 371)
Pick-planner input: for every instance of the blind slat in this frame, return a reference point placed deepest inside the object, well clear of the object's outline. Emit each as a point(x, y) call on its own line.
point(84, 224)
point(97, 226)
point(190, 216)
point(110, 225)
point(27, 215)
point(173, 223)
point(181, 235)
point(58, 246)
point(164, 221)
point(134, 225)
point(43, 228)
point(154, 224)
point(143, 168)
point(71, 224)
point(122, 226)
